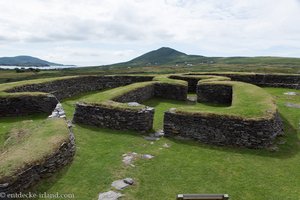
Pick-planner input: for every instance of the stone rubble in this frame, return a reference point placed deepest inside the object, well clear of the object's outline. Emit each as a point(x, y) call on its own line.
point(128, 158)
point(155, 136)
point(159, 133)
point(58, 112)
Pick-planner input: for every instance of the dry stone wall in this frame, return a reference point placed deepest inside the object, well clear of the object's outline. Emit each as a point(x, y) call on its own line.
point(169, 91)
point(128, 119)
point(137, 95)
point(223, 130)
point(25, 105)
point(192, 82)
point(121, 119)
point(214, 93)
point(266, 80)
point(73, 86)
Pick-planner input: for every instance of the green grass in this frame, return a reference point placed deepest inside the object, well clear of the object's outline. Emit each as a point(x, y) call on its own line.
point(27, 141)
point(256, 64)
point(185, 167)
point(8, 123)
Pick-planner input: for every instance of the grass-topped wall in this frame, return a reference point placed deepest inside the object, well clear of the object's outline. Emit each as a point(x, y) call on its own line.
point(34, 151)
point(36, 96)
point(112, 109)
point(251, 120)
point(245, 102)
point(260, 79)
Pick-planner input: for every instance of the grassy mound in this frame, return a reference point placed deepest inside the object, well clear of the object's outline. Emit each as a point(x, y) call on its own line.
point(30, 143)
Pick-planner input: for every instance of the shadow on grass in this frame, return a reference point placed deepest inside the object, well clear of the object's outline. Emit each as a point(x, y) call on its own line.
point(22, 118)
point(113, 131)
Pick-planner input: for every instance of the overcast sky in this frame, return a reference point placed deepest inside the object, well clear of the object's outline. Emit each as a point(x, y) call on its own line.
point(96, 32)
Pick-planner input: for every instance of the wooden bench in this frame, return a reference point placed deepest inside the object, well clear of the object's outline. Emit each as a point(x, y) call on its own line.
point(202, 197)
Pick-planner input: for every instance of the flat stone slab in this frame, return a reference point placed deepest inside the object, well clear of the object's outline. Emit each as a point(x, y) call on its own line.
point(290, 93)
point(147, 156)
point(119, 184)
point(110, 195)
point(292, 105)
point(122, 184)
point(149, 138)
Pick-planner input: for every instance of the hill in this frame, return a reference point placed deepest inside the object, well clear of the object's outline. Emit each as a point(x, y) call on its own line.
point(160, 56)
point(25, 61)
point(166, 56)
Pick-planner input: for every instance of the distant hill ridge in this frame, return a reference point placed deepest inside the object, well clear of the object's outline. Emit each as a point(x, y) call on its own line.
point(169, 56)
point(26, 61)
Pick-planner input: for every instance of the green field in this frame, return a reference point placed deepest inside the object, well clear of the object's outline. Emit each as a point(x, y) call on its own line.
point(185, 167)
point(258, 65)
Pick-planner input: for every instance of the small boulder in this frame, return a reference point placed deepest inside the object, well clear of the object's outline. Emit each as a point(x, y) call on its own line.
point(166, 145)
point(129, 181)
point(133, 104)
